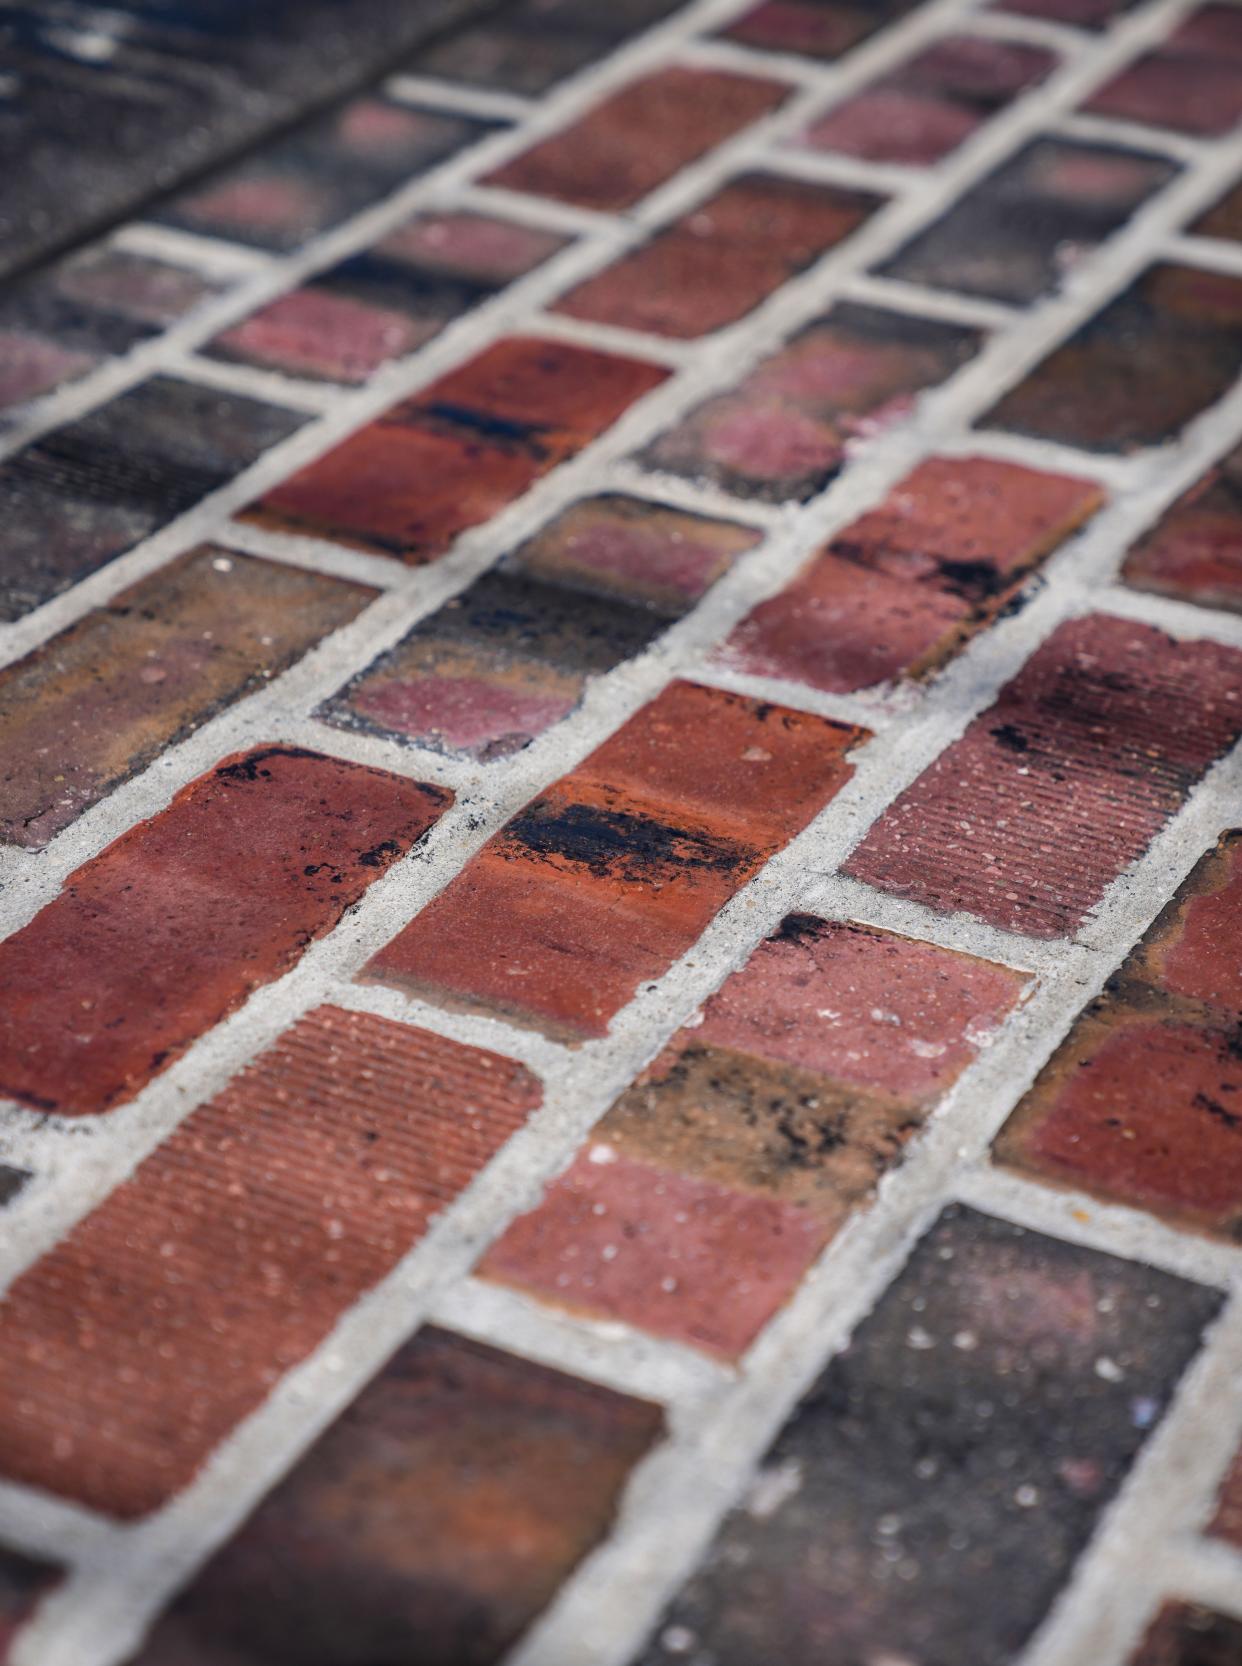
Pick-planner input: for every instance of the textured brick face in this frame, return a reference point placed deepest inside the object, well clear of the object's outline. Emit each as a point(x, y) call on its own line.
point(457, 453)
point(171, 927)
point(640, 136)
point(1142, 1103)
point(611, 874)
point(1192, 82)
point(98, 702)
point(929, 1497)
point(1194, 552)
point(714, 1181)
point(23, 1581)
point(235, 1248)
point(1054, 790)
point(1184, 1634)
point(899, 591)
point(432, 1522)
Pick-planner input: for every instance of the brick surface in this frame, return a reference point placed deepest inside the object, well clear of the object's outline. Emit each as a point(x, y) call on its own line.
point(1223, 219)
point(721, 259)
point(713, 1182)
point(639, 136)
point(235, 1248)
point(432, 1522)
point(458, 452)
point(1194, 552)
point(786, 429)
point(929, 1496)
point(1226, 1523)
point(1185, 1634)
point(512, 654)
point(170, 928)
point(610, 875)
point(815, 28)
point(1079, 14)
point(1192, 82)
point(1142, 1103)
point(1054, 790)
point(100, 701)
point(898, 592)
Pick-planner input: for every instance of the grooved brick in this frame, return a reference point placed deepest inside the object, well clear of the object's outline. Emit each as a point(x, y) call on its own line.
point(173, 925)
point(612, 873)
point(97, 703)
point(458, 452)
point(1192, 81)
point(23, 1582)
point(235, 1248)
point(432, 1523)
point(1194, 552)
point(1187, 1634)
point(1064, 782)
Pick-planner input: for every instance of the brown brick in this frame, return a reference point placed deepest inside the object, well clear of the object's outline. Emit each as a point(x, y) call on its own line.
point(1194, 552)
point(1184, 1634)
point(1227, 1522)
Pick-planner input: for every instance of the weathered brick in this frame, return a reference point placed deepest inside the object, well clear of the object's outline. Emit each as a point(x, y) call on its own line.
point(612, 873)
point(1184, 1634)
point(814, 28)
point(431, 1523)
point(86, 492)
point(171, 927)
point(321, 173)
point(1194, 552)
point(458, 452)
point(94, 705)
point(921, 111)
point(510, 655)
point(931, 1494)
point(785, 430)
point(1192, 82)
point(24, 1581)
point(722, 258)
point(900, 591)
point(1226, 1523)
point(234, 1249)
point(1061, 784)
point(714, 1182)
point(640, 136)
point(1016, 235)
point(388, 300)
point(1137, 372)
point(1142, 1103)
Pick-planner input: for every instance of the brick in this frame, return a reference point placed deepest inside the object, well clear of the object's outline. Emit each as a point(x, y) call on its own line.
point(1142, 1102)
point(1057, 788)
point(174, 924)
point(611, 874)
point(89, 491)
point(321, 173)
point(24, 1581)
point(714, 1182)
point(1184, 1634)
point(1223, 219)
point(1194, 552)
point(720, 260)
point(1079, 14)
point(1137, 372)
point(814, 28)
point(97, 703)
point(902, 589)
point(965, 1442)
point(1226, 1523)
point(1192, 82)
point(511, 655)
point(383, 303)
point(640, 136)
point(457, 453)
point(918, 113)
point(1018, 233)
point(235, 1248)
point(785, 430)
point(12, 1182)
point(432, 1522)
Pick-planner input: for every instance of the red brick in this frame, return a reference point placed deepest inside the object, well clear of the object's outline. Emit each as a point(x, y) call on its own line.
point(175, 923)
point(1227, 1522)
point(900, 591)
point(720, 260)
point(640, 136)
point(1063, 783)
point(816, 28)
point(1191, 82)
point(1079, 14)
point(1184, 1634)
point(714, 1182)
point(235, 1248)
point(612, 874)
point(431, 1523)
point(1194, 552)
point(458, 452)
point(23, 1583)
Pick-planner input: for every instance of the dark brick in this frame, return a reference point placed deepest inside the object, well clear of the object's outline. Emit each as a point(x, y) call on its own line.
point(814, 28)
point(785, 430)
point(1137, 372)
point(1223, 219)
point(1194, 552)
point(930, 1496)
point(86, 492)
point(23, 1583)
point(12, 1181)
point(1057, 788)
point(458, 452)
point(1079, 14)
point(511, 655)
point(1192, 82)
point(176, 922)
point(432, 1522)
point(1183, 1634)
